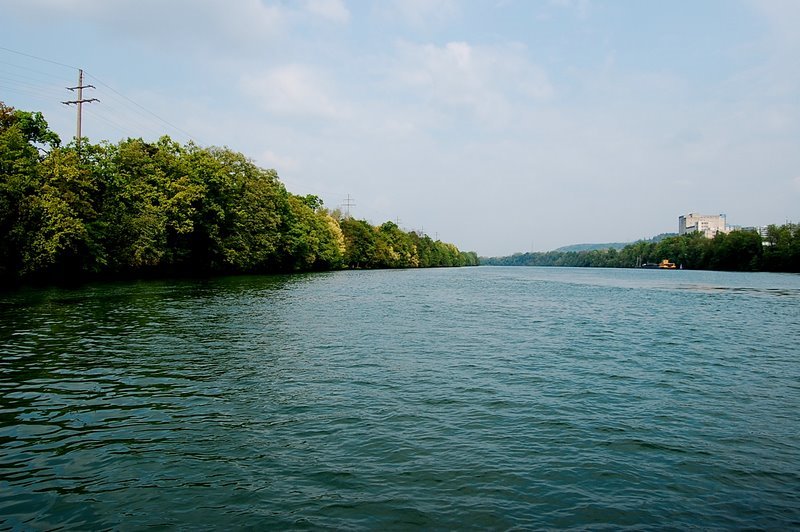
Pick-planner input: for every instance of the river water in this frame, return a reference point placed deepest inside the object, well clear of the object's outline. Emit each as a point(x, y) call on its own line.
point(468, 398)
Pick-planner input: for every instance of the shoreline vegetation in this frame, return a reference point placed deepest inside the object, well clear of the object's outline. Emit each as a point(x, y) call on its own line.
point(739, 250)
point(149, 209)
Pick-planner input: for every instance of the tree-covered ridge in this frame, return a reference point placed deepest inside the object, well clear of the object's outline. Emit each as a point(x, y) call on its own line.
point(136, 208)
point(740, 250)
point(616, 245)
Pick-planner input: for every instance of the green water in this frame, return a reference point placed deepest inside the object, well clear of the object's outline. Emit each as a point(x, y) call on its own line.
point(472, 398)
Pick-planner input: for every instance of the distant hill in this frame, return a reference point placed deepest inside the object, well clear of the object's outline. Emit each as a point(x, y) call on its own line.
point(592, 247)
point(611, 245)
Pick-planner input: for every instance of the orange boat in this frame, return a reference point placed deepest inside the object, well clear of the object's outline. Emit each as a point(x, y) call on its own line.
point(666, 265)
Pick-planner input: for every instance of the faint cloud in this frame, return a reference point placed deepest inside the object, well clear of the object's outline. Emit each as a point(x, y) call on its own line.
point(270, 159)
point(580, 7)
point(782, 15)
point(293, 90)
point(333, 10)
point(421, 13)
point(781, 47)
point(489, 80)
point(56, 5)
point(184, 25)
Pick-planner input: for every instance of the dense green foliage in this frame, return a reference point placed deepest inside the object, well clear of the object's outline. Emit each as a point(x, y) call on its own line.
point(136, 208)
point(741, 250)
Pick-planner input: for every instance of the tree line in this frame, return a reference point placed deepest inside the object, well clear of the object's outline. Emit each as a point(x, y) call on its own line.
point(139, 208)
point(739, 250)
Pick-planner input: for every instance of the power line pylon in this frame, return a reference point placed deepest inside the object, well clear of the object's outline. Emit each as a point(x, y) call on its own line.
point(79, 102)
point(349, 202)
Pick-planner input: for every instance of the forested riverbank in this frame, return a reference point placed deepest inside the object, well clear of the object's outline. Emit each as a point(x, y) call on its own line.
point(139, 208)
point(739, 250)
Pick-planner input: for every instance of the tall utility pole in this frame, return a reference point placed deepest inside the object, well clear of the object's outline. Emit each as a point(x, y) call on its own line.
point(79, 102)
point(349, 202)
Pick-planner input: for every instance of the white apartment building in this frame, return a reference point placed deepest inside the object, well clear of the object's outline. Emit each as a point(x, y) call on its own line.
point(708, 224)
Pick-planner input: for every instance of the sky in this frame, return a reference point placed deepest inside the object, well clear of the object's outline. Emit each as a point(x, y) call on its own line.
point(501, 126)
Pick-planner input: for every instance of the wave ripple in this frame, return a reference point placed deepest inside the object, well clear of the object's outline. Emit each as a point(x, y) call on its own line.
point(480, 398)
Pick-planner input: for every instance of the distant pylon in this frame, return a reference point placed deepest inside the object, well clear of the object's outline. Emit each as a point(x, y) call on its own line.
point(349, 202)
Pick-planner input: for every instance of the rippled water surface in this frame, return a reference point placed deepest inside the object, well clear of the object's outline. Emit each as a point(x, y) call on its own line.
point(472, 398)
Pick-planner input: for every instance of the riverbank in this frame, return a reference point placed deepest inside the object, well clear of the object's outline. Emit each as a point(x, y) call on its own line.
point(740, 250)
point(140, 209)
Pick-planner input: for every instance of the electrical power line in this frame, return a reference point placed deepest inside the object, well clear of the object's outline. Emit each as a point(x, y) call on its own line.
point(28, 69)
point(117, 108)
point(30, 88)
point(173, 126)
point(122, 125)
point(37, 57)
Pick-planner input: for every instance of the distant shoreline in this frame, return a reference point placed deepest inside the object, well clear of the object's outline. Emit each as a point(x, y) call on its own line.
point(739, 250)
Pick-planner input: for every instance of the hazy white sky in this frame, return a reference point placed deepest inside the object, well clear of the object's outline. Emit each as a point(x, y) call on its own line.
point(498, 125)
